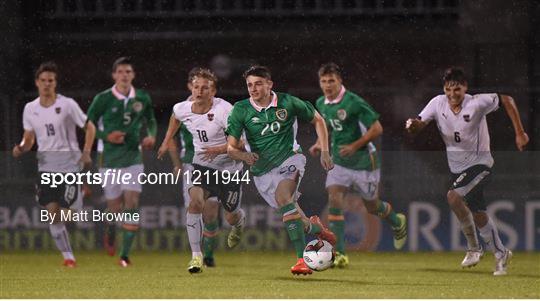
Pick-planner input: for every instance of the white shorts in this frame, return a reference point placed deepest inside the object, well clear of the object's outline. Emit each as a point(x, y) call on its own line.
point(114, 190)
point(186, 174)
point(267, 184)
point(363, 181)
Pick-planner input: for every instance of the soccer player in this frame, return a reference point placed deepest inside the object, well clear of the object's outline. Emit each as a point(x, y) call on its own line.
point(461, 120)
point(354, 125)
point(211, 208)
point(205, 117)
point(269, 121)
point(120, 113)
point(52, 119)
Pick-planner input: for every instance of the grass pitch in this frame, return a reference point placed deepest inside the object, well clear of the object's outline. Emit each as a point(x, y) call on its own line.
point(265, 275)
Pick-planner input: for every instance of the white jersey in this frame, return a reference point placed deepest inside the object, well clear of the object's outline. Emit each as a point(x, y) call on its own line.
point(55, 130)
point(466, 133)
point(208, 130)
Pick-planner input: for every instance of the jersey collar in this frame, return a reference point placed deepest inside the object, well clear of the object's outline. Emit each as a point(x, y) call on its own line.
point(119, 95)
point(273, 103)
point(338, 98)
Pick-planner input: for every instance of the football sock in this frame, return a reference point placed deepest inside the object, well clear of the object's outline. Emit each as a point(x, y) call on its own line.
point(210, 238)
point(295, 228)
point(130, 228)
point(337, 225)
point(313, 229)
point(61, 238)
point(469, 230)
point(110, 229)
point(385, 211)
point(490, 235)
point(194, 226)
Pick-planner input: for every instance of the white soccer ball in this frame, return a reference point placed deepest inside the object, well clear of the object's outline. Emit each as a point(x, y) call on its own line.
point(319, 255)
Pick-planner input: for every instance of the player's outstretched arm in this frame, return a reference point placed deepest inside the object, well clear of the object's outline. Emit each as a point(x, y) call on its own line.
point(209, 153)
point(175, 156)
point(236, 150)
point(322, 138)
point(89, 136)
point(174, 125)
point(414, 125)
point(315, 149)
point(26, 144)
point(150, 139)
point(511, 109)
point(374, 131)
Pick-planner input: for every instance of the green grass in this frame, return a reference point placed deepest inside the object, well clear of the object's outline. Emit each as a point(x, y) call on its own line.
point(265, 275)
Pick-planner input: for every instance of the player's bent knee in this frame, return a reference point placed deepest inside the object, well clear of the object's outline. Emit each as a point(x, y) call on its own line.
point(453, 198)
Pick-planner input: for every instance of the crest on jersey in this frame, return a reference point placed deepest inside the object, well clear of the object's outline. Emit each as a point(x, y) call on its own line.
point(341, 114)
point(58, 110)
point(137, 106)
point(467, 117)
point(210, 116)
point(281, 114)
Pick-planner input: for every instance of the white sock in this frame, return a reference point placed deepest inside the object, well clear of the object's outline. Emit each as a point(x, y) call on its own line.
point(61, 238)
point(490, 235)
point(469, 230)
point(242, 219)
point(194, 226)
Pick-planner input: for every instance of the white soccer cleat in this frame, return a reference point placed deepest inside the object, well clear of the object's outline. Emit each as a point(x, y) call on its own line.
point(502, 263)
point(472, 258)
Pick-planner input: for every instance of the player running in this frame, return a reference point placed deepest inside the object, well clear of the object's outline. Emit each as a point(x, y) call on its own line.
point(52, 119)
point(182, 161)
point(461, 120)
point(205, 117)
point(354, 126)
point(120, 113)
point(269, 121)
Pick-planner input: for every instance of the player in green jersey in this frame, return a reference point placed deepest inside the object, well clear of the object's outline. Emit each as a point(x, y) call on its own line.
point(120, 112)
point(269, 121)
point(354, 125)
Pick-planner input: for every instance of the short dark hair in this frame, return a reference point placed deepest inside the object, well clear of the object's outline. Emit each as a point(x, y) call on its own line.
point(204, 73)
point(260, 71)
point(329, 68)
point(47, 67)
point(455, 75)
point(124, 60)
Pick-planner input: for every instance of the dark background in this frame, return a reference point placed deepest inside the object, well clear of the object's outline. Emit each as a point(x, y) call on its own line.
point(393, 53)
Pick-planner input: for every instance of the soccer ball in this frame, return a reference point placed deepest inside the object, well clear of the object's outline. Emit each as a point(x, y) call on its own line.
point(319, 255)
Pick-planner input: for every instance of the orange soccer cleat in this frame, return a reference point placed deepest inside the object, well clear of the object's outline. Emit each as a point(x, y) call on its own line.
point(300, 268)
point(325, 234)
point(70, 263)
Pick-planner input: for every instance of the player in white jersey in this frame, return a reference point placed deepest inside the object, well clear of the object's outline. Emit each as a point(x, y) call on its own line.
point(206, 119)
point(52, 120)
point(461, 119)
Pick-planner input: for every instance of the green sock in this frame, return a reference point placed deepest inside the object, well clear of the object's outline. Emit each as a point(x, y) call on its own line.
point(295, 228)
point(337, 225)
point(385, 211)
point(127, 241)
point(130, 230)
point(210, 238)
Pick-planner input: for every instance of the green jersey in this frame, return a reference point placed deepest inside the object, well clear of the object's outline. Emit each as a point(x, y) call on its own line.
point(112, 111)
point(349, 117)
point(187, 144)
point(270, 131)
